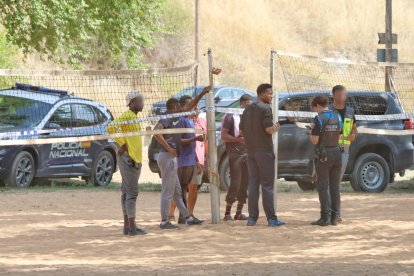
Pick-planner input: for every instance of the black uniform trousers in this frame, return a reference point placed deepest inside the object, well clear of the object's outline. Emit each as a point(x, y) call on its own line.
point(328, 175)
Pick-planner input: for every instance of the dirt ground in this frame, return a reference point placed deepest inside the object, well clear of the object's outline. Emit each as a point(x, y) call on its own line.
point(78, 232)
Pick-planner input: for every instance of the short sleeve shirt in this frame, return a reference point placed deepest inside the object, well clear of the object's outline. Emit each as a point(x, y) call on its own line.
point(254, 121)
point(173, 140)
point(232, 148)
point(134, 143)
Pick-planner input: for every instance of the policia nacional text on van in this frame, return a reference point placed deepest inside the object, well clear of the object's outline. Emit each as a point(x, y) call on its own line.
point(325, 134)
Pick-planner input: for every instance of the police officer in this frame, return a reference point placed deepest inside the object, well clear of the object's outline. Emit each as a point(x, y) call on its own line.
point(328, 159)
point(349, 130)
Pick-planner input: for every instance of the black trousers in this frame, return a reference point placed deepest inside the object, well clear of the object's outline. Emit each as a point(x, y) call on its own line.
point(238, 179)
point(261, 174)
point(328, 175)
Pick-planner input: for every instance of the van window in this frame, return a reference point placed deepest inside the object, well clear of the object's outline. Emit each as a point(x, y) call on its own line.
point(370, 105)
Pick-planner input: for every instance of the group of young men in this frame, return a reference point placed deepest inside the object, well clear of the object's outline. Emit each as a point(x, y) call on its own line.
point(249, 145)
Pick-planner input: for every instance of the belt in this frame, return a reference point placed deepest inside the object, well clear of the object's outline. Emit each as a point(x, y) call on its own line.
point(332, 148)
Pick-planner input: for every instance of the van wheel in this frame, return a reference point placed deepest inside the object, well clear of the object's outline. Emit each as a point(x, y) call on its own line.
point(371, 173)
point(306, 185)
point(22, 171)
point(102, 170)
point(224, 172)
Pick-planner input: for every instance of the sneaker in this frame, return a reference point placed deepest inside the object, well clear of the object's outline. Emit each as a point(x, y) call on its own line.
point(240, 217)
point(138, 232)
point(197, 218)
point(227, 218)
point(168, 225)
point(171, 218)
point(193, 221)
point(251, 222)
point(275, 223)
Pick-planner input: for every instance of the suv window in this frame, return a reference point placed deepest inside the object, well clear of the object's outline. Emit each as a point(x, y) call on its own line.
point(100, 117)
point(370, 105)
point(237, 93)
point(225, 94)
point(300, 103)
point(83, 115)
point(62, 118)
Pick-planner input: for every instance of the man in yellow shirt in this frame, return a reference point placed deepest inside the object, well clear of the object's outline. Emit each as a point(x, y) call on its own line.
point(129, 158)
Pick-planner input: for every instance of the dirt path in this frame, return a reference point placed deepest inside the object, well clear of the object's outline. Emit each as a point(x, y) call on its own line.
point(79, 233)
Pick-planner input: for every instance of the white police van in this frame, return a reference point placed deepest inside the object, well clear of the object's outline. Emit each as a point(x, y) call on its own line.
point(47, 113)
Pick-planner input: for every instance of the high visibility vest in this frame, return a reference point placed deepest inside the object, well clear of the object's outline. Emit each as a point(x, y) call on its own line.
point(347, 124)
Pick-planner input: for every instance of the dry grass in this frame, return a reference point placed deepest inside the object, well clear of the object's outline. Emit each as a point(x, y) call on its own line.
point(242, 32)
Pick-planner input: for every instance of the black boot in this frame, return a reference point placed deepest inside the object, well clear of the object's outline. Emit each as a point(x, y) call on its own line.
point(325, 220)
point(334, 219)
point(133, 229)
point(126, 225)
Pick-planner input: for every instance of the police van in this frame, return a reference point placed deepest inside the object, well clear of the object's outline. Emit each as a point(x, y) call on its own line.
point(41, 113)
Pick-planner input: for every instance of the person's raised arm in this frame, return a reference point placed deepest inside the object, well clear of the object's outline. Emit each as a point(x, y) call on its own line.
point(190, 105)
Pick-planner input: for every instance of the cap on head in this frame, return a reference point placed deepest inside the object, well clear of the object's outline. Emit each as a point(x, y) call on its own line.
point(131, 95)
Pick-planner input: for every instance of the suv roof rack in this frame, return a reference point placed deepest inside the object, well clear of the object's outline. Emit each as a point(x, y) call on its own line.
point(41, 89)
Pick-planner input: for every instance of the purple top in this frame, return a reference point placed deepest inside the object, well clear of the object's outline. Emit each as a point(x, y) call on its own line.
point(187, 155)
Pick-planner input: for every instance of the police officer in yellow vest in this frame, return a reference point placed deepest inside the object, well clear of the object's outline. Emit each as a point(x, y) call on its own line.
point(349, 130)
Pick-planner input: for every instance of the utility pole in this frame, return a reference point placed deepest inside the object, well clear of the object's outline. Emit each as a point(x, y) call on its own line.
point(197, 39)
point(388, 38)
point(388, 43)
point(275, 110)
point(212, 147)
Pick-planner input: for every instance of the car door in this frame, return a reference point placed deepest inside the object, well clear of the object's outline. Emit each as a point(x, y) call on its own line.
point(295, 149)
point(56, 158)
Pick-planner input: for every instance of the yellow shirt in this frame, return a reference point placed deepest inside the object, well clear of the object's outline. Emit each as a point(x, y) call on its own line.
point(134, 143)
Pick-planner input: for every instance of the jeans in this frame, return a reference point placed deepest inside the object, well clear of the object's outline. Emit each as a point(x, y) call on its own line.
point(261, 167)
point(129, 187)
point(328, 175)
point(238, 179)
point(345, 158)
point(171, 188)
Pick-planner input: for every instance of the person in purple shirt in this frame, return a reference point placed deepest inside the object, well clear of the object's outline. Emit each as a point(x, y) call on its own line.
point(187, 159)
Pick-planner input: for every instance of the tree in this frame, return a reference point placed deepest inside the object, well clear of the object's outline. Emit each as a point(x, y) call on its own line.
point(99, 33)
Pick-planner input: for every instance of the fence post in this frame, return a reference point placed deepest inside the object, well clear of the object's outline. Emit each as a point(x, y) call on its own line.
point(275, 110)
point(212, 147)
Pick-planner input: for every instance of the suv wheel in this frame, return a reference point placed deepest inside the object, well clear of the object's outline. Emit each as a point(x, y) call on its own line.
point(22, 170)
point(306, 185)
point(224, 172)
point(102, 170)
point(371, 173)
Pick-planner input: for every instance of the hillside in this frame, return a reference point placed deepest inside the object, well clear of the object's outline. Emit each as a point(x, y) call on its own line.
point(241, 33)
